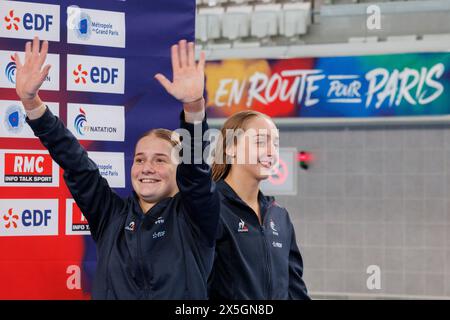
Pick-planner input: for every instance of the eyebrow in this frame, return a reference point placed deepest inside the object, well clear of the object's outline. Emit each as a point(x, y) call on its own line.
point(267, 135)
point(155, 154)
point(160, 154)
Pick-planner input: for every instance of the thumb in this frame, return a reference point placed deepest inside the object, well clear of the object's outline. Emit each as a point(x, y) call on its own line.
point(17, 59)
point(164, 82)
point(44, 72)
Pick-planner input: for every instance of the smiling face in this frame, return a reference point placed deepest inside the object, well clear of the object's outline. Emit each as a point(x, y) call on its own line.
point(153, 173)
point(257, 151)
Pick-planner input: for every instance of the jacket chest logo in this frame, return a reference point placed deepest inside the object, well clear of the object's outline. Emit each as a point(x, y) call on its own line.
point(131, 226)
point(273, 227)
point(160, 220)
point(159, 234)
point(276, 244)
point(242, 226)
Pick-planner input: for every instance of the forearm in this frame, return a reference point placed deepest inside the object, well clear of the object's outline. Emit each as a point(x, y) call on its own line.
point(194, 179)
point(59, 141)
point(89, 189)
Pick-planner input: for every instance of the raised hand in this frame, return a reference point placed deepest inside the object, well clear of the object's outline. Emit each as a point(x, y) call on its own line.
point(30, 75)
point(188, 77)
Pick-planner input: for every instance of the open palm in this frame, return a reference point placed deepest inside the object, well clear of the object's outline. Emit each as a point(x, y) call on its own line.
point(188, 77)
point(30, 75)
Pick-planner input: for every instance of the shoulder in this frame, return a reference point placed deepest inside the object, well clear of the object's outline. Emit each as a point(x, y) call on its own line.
point(276, 206)
point(278, 211)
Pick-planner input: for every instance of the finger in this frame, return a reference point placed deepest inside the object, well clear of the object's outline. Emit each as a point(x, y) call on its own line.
point(17, 60)
point(35, 49)
point(202, 61)
point(191, 54)
point(44, 73)
point(164, 82)
point(27, 51)
point(43, 54)
point(175, 58)
point(183, 54)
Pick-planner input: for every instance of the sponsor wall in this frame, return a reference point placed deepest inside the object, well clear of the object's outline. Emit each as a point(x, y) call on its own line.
point(104, 55)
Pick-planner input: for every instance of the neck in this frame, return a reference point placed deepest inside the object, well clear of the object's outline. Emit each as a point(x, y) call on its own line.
point(246, 187)
point(145, 206)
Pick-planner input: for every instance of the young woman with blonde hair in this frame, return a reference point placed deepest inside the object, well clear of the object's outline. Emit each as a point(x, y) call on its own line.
point(256, 251)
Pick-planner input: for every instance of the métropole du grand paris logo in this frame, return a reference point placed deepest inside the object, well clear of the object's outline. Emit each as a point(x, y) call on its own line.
point(10, 219)
point(14, 119)
point(12, 22)
point(85, 26)
point(80, 121)
point(10, 70)
point(83, 29)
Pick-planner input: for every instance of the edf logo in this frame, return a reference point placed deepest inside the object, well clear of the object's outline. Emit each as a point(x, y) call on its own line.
point(37, 22)
point(28, 217)
point(97, 75)
point(25, 20)
point(29, 21)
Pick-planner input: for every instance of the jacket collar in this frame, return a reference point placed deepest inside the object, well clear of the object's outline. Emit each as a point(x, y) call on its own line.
point(153, 212)
point(232, 196)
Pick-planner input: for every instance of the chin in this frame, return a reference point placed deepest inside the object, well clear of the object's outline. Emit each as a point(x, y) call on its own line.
point(150, 195)
point(149, 198)
point(263, 177)
point(264, 173)
point(156, 195)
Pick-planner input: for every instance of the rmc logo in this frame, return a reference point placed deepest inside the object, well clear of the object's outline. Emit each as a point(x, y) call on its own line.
point(28, 168)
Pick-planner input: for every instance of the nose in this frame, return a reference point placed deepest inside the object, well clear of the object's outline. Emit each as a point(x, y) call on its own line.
point(148, 167)
point(272, 149)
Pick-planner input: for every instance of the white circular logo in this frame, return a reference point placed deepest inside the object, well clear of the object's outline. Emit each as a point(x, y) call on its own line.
point(14, 119)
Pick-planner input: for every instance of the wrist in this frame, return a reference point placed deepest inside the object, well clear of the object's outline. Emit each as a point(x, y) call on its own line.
point(194, 111)
point(193, 101)
point(194, 117)
point(194, 105)
point(36, 113)
point(31, 103)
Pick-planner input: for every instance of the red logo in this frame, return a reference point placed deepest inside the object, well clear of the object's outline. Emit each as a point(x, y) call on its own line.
point(80, 74)
point(10, 219)
point(12, 21)
point(242, 226)
point(77, 216)
point(79, 221)
point(28, 167)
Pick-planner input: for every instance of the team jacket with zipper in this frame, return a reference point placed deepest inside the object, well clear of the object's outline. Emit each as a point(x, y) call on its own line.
point(166, 253)
point(255, 261)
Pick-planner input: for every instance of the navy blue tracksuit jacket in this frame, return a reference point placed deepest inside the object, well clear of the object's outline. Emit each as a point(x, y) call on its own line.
point(255, 261)
point(166, 253)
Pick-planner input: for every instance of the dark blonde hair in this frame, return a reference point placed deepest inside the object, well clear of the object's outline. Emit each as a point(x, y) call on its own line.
point(222, 165)
point(168, 135)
